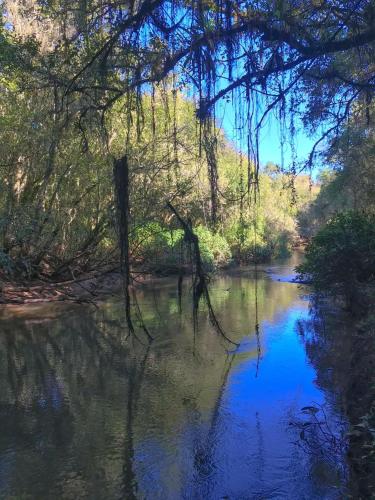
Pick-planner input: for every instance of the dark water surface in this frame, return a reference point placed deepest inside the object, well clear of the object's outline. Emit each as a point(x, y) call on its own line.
point(87, 413)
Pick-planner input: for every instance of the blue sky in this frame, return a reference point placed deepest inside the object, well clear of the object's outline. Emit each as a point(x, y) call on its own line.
point(270, 148)
point(269, 144)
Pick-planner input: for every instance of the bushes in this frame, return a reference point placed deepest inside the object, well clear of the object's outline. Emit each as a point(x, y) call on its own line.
point(269, 241)
point(160, 248)
point(214, 247)
point(341, 257)
point(151, 242)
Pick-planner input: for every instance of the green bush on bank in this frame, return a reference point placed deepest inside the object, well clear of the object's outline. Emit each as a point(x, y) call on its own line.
point(341, 257)
point(261, 245)
point(161, 248)
point(215, 250)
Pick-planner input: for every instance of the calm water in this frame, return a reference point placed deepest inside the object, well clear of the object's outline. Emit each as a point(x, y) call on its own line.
point(87, 413)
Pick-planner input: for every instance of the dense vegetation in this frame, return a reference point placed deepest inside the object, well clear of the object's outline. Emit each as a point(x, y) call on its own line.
point(341, 257)
point(87, 83)
point(57, 209)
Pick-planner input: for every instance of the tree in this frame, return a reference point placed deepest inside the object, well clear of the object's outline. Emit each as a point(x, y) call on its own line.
point(347, 183)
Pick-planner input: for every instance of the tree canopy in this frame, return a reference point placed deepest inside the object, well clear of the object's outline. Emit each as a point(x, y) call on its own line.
point(314, 59)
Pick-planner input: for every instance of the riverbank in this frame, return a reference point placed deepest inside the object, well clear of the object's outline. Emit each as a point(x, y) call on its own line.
point(87, 288)
point(100, 284)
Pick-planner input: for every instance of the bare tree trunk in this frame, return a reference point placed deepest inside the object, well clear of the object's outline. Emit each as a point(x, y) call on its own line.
point(121, 178)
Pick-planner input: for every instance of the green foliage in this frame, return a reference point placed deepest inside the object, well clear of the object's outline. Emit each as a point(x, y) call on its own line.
point(157, 246)
point(341, 257)
point(248, 241)
point(349, 182)
point(267, 228)
point(161, 248)
point(214, 248)
point(56, 204)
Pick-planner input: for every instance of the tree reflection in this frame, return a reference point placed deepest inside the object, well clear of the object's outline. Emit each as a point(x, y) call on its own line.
point(327, 339)
point(80, 400)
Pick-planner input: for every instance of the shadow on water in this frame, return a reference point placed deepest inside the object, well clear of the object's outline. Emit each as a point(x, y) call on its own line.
point(86, 412)
point(333, 345)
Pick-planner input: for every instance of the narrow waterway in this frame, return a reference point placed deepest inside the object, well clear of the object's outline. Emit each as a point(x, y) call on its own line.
point(86, 412)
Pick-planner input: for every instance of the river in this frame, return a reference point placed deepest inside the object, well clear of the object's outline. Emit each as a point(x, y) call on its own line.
point(86, 412)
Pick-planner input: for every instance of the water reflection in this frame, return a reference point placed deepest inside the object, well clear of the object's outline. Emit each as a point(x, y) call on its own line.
point(86, 412)
point(328, 338)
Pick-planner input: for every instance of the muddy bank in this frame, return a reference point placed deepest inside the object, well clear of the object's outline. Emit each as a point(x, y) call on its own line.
point(89, 288)
point(103, 283)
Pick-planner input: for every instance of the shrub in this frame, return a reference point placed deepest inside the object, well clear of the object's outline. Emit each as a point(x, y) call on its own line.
point(268, 242)
point(160, 247)
point(156, 245)
point(214, 248)
point(341, 257)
